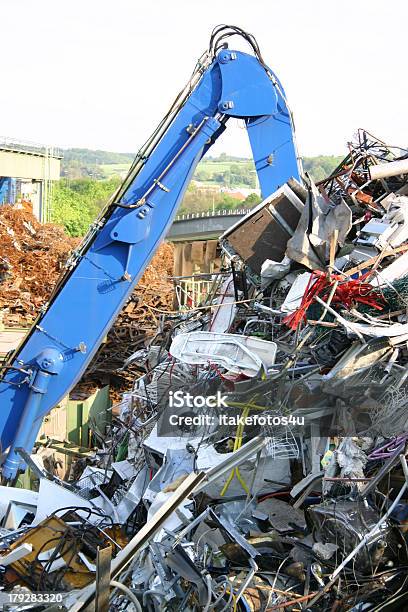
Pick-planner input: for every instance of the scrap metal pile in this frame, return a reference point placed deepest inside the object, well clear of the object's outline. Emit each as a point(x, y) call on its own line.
point(32, 257)
point(259, 462)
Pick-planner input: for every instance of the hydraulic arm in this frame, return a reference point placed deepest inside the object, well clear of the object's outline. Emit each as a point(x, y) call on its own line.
point(103, 272)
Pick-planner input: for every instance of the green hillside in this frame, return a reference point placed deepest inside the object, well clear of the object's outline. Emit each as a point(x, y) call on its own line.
point(97, 164)
point(225, 170)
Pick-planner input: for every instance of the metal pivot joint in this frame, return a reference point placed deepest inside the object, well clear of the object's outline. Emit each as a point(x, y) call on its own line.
point(48, 363)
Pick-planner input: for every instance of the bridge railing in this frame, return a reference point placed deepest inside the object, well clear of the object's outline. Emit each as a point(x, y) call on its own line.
point(217, 213)
point(25, 146)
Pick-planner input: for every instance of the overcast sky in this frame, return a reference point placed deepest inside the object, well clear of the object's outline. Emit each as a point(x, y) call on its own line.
point(101, 73)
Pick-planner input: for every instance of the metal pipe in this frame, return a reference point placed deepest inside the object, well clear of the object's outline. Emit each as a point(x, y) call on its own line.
point(395, 168)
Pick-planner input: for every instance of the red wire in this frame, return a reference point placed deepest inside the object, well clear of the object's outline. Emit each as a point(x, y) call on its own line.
point(347, 293)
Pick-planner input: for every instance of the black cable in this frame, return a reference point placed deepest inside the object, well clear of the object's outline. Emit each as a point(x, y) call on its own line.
point(222, 32)
point(84, 509)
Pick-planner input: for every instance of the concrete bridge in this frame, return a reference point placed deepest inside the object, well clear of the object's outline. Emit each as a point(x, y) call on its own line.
point(195, 237)
point(27, 171)
point(204, 226)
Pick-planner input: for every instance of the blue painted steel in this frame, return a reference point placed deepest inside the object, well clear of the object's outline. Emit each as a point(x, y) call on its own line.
point(3, 189)
point(49, 363)
point(7, 190)
point(258, 97)
point(119, 247)
point(263, 104)
point(274, 150)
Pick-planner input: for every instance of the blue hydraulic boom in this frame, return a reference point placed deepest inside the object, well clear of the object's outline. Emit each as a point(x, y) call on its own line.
point(103, 272)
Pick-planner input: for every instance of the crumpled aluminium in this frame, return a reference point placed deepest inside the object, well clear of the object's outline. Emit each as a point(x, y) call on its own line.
point(319, 222)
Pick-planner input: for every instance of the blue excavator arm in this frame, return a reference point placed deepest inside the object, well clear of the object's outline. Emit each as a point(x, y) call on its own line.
point(103, 272)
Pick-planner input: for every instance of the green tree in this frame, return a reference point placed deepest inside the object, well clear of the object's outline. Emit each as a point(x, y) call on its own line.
point(76, 203)
point(252, 200)
point(321, 166)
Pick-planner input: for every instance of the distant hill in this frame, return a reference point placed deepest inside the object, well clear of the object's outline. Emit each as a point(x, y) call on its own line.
point(225, 170)
point(79, 163)
point(90, 156)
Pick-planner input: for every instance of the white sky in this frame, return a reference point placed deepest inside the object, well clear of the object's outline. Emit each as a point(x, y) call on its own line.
point(101, 73)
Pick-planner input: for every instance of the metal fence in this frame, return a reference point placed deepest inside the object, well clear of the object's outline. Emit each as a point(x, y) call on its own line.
point(25, 146)
point(217, 213)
